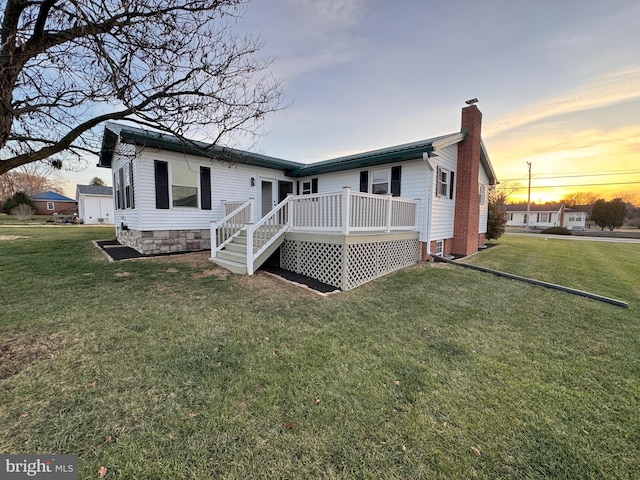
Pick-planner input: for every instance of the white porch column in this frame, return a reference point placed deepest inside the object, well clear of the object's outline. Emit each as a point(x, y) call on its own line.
point(346, 210)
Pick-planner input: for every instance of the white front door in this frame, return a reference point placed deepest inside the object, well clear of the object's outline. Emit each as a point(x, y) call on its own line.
point(268, 196)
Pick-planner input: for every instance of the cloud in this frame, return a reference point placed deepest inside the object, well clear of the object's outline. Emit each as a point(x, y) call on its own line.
point(330, 14)
point(611, 89)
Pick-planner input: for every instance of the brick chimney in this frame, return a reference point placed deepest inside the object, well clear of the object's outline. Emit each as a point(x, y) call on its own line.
point(467, 215)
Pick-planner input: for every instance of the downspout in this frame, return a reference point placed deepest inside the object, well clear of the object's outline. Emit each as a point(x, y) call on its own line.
point(429, 197)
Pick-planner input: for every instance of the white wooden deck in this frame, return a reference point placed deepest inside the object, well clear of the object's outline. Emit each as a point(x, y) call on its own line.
point(242, 246)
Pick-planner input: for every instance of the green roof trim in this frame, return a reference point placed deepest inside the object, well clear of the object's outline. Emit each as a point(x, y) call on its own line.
point(109, 141)
point(170, 143)
point(372, 158)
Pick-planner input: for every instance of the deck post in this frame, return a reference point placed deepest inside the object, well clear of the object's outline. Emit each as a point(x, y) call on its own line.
point(417, 215)
point(289, 211)
point(250, 248)
point(346, 210)
point(389, 211)
point(213, 227)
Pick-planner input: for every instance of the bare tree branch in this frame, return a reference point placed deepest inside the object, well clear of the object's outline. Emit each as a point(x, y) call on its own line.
point(68, 65)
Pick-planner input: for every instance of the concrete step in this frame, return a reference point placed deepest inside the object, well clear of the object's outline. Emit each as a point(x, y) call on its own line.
point(236, 247)
point(240, 239)
point(233, 267)
point(233, 256)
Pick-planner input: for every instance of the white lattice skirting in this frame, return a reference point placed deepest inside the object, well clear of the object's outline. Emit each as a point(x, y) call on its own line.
point(348, 262)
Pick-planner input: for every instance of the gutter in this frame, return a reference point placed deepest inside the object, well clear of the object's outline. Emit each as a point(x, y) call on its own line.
point(553, 286)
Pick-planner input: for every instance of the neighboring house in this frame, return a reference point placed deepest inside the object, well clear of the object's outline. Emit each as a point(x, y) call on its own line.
point(95, 204)
point(342, 221)
point(49, 203)
point(574, 219)
point(544, 216)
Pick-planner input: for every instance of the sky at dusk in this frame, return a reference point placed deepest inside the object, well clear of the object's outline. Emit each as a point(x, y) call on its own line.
point(558, 83)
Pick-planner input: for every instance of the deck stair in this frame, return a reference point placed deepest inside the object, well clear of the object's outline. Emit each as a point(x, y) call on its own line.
point(233, 256)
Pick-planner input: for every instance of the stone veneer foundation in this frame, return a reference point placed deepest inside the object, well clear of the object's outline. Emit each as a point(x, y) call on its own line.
point(165, 241)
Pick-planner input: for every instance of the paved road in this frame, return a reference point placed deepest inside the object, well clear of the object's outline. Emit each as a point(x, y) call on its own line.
point(577, 237)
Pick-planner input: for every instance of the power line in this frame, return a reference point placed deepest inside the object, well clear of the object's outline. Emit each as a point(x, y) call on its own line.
point(595, 174)
point(581, 185)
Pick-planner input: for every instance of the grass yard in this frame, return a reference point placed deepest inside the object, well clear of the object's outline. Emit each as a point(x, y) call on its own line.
point(171, 369)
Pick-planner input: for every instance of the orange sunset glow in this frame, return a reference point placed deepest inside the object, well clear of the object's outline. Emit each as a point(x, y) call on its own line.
point(587, 140)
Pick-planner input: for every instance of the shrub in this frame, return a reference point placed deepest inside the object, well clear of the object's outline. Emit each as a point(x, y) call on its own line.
point(23, 212)
point(18, 198)
point(556, 231)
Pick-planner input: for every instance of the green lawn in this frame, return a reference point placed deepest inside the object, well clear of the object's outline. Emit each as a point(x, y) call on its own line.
point(170, 369)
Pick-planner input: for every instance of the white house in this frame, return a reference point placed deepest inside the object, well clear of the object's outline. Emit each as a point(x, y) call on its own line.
point(343, 221)
point(544, 216)
point(574, 219)
point(95, 204)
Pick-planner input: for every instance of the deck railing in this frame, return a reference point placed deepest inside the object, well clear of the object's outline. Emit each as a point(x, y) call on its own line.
point(349, 211)
point(223, 231)
point(266, 231)
point(344, 212)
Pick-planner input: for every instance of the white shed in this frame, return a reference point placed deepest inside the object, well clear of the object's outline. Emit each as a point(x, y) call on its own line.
point(95, 204)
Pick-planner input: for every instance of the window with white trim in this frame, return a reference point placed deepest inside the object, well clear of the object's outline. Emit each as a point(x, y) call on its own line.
point(439, 247)
point(123, 187)
point(380, 182)
point(443, 183)
point(184, 186)
point(482, 191)
point(50, 206)
point(544, 218)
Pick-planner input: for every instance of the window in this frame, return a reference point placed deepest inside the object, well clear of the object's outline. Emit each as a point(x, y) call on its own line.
point(184, 186)
point(383, 181)
point(482, 190)
point(123, 181)
point(380, 182)
point(439, 247)
point(510, 216)
point(127, 185)
point(50, 206)
point(444, 184)
point(544, 218)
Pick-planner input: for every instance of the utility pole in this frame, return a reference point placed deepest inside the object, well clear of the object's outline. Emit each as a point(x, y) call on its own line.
point(529, 199)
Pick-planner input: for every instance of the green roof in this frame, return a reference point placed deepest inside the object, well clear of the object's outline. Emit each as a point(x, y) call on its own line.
point(161, 141)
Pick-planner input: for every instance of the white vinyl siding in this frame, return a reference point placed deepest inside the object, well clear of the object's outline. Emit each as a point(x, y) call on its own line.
point(483, 180)
point(443, 207)
point(413, 184)
point(228, 182)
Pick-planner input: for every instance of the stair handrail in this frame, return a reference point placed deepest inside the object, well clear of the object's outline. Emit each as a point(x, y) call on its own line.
point(229, 229)
point(270, 235)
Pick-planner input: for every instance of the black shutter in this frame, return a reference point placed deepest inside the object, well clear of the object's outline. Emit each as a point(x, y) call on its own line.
point(364, 181)
point(452, 177)
point(133, 194)
point(297, 187)
point(314, 185)
point(395, 180)
point(205, 188)
point(162, 184)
